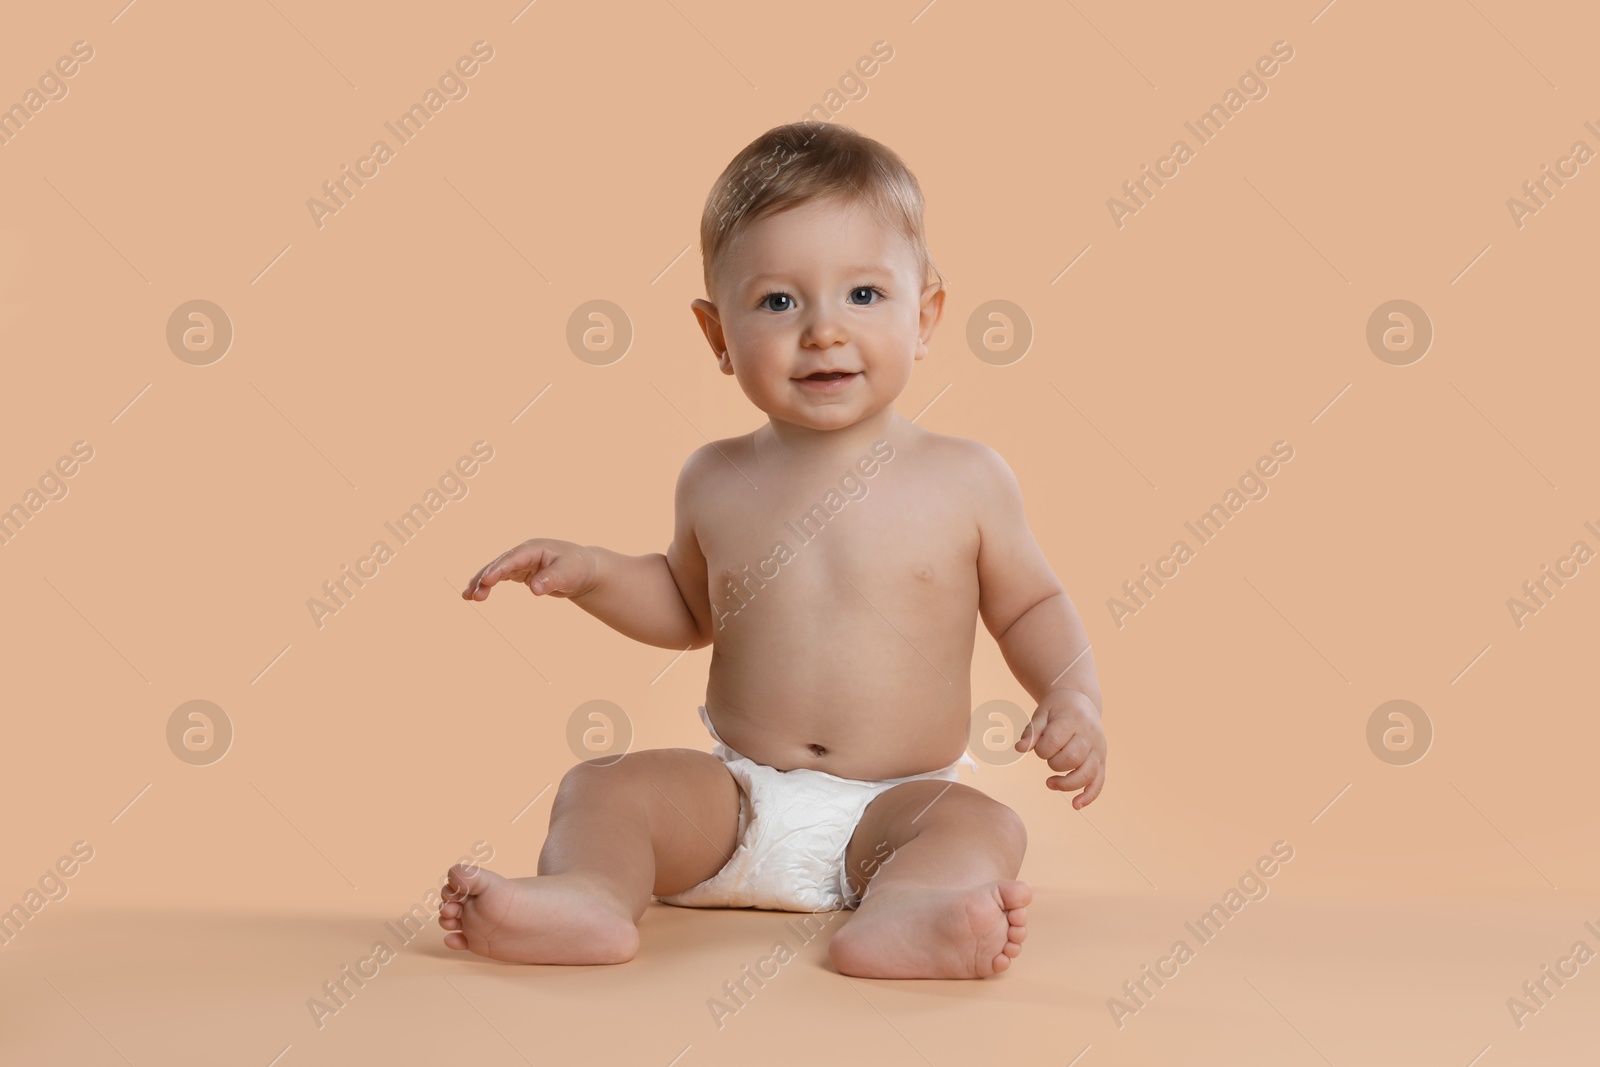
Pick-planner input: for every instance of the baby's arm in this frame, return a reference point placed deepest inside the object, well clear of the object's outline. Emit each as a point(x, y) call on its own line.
point(658, 598)
point(1039, 632)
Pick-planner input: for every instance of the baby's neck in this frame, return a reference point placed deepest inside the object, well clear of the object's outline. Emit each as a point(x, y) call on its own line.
point(847, 441)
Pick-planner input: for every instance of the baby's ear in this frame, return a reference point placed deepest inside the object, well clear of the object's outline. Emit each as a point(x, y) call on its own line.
point(705, 313)
point(931, 311)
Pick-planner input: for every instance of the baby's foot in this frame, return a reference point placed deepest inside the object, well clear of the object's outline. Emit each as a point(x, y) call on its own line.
point(554, 918)
point(928, 932)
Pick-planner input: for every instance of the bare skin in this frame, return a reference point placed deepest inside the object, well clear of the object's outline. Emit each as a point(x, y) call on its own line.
point(838, 559)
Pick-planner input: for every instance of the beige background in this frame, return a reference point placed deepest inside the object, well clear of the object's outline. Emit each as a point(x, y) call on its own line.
point(369, 354)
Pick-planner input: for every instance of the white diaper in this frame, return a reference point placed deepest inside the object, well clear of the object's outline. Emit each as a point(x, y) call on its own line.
point(794, 827)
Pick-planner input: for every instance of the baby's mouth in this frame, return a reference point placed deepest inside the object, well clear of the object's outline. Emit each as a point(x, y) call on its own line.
point(828, 376)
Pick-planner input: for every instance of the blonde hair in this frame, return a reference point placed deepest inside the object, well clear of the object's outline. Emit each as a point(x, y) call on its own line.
point(798, 162)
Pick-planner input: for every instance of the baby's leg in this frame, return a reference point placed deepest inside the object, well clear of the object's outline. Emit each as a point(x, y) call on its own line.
point(658, 821)
point(939, 861)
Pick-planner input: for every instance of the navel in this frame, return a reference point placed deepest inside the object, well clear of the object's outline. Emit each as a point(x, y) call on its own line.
point(817, 750)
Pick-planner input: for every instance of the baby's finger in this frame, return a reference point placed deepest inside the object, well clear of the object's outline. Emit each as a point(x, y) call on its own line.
point(1057, 732)
point(471, 591)
point(457, 886)
point(552, 578)
point(1085, 798)
point(485, 579)
point(1075, 779)
point(520, 564)
point(1031, 732)
point(507, 564)
point(1070, 755)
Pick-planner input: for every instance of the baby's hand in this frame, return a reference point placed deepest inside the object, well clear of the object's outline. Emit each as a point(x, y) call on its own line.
point(549, 568)
point(1066, 734)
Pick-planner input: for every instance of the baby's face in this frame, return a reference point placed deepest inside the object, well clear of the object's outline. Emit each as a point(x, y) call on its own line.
point(820, 312)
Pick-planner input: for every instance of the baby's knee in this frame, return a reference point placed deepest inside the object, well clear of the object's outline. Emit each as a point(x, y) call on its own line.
point(605, 773)
point(991, 817)
point(1008, 825)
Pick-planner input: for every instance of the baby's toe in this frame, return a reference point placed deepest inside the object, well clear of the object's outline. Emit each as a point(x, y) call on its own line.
point(470, 881)
point(1015, 894)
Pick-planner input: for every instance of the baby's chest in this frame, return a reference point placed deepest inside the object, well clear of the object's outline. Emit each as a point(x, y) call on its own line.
point(924, 543)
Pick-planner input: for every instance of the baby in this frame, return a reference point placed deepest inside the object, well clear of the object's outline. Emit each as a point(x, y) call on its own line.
point(836, 559)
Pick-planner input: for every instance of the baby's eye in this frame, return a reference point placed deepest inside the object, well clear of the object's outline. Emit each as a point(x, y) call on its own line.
point(765, 301)
point(869, 290)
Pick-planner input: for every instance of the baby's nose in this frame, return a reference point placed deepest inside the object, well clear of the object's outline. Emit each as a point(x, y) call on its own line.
point(824, 330)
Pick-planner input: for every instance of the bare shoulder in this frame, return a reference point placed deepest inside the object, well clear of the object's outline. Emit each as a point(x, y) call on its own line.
point(708, 468)
point(969, 465)
point(717, 459)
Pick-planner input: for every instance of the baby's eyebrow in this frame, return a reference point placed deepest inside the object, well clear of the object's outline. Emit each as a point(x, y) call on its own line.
point(874, 268)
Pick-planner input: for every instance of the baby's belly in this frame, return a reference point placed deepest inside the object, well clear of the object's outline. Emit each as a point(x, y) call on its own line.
point(841, 700)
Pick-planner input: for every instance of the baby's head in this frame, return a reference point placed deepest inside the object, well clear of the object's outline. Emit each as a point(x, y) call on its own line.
point(816, 262)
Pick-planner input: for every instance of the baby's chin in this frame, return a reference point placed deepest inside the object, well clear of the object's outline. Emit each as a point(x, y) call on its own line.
point(824, 416)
